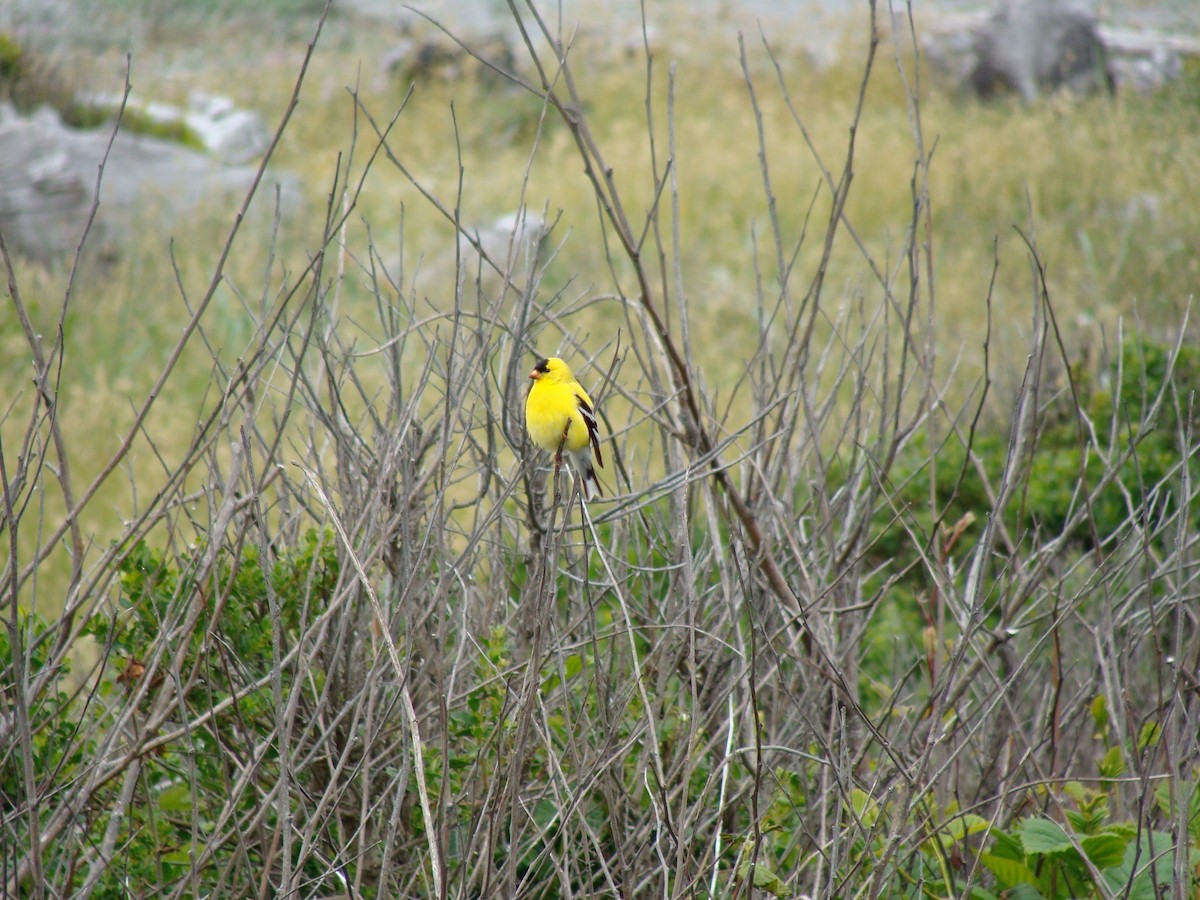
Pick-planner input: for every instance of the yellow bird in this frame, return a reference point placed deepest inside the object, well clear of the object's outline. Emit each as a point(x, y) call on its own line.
point(559, 416)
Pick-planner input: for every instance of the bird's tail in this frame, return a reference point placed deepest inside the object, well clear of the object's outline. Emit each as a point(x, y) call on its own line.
point(582, 463)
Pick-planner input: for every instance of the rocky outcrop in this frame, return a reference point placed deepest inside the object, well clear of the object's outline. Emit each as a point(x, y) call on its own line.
point(513, 244)
point(48, 176)
point(436, 55)
point(225, 131)
point(1036, 47)
point(1040, 46)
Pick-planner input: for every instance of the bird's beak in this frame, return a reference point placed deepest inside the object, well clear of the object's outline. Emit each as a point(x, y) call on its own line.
point(535, 374)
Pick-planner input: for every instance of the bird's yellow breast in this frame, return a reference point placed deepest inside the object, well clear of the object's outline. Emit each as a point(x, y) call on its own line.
point(552, 410)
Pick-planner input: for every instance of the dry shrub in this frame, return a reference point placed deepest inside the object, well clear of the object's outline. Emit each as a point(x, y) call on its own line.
point(829, 634)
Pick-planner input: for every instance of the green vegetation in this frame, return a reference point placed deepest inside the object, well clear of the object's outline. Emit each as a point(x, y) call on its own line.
point(133, 120)
point(177, 797)
point(1107, 447)
point(11, 62)
point(892, 591)
point(37, 82)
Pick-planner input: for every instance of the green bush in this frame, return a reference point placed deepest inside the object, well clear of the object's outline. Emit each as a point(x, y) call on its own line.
point(11, 60)
point(1089, 856)
point(1064, 467)
point(133, 121)
point(52, 723)
point(36, 83)
point(182, 789)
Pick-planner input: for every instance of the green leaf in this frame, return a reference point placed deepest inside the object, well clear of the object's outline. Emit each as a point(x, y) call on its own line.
point(1149, 735)
point(1078, 792)
point(1100, 712)
point(1007, 846)
point(955, 830)
point(1043, 836)
point(1025, 892)
point(175, 799)
point(1126, 830)
point(1008, 872)
point(766, 880)
point(1148, 863)
point(966, 825)
point(1113, 763)
point(177, 858)
point(864, 807)
point(1164, 797)
point(573, 665)
point(1105, 850)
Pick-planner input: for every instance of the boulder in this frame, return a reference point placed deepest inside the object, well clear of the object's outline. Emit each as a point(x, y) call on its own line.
point(514, 244)
point(1145, 61)
point(230, 134)
point(1032, 47)
point(48, 176)
point(430, 54)
point(1040, 46)
point(492, 257)
point(969, 48)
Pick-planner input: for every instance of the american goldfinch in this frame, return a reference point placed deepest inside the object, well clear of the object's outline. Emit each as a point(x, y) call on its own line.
point(559, 416)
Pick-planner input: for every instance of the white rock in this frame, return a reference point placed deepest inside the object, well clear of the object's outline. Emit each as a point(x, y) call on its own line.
point(230, 134)
point(48, 175)
point(513, 243)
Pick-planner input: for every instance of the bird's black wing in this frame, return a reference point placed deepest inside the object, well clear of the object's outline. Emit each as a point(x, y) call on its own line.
point(589, 418)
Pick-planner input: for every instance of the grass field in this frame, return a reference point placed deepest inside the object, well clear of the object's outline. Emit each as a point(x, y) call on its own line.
point(898, 564)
